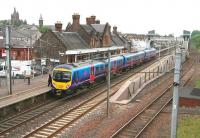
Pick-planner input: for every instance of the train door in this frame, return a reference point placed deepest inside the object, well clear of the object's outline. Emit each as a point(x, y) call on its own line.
point(115, 66)
point(92, 73)
point(76, 77)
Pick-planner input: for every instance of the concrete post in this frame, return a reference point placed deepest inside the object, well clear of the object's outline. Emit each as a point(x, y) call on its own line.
point(75, 58)
point(175, 105)
point(153, 73)
point(140, 82)
point(149, 75)
point(108, 92)
point(8, 62)
point(13, 78)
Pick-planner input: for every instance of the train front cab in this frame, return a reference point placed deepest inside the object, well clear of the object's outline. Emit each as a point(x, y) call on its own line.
point(61, 80)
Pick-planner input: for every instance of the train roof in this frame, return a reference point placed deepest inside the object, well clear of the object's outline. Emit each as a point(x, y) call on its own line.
point(134, 54)
point(150, 49)
point(71, 66)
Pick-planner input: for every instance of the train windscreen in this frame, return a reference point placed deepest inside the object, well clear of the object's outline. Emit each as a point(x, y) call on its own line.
point(61, 76)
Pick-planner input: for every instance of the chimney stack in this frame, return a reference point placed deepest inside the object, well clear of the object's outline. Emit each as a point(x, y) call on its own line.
point(114, 29)
point(93, 19)
point(88, 20)
point(76, 22)
point(58, 26)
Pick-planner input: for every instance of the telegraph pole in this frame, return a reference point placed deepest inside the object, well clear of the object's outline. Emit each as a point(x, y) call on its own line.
point(8, 62)
point(108, 92)
point(175, 105)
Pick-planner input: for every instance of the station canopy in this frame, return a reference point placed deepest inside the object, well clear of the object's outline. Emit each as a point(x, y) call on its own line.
point(93, 50)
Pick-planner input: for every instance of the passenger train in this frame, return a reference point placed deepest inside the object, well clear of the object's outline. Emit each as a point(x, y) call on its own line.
point(67, 77)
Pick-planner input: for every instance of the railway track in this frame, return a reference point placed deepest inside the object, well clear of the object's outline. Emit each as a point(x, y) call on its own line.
point(12, 123)
point(136, 125)
point(55, 126)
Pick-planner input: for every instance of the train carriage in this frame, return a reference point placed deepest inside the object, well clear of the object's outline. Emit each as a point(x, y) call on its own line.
point(150, 53)
point(70, 76)
point(133, 59)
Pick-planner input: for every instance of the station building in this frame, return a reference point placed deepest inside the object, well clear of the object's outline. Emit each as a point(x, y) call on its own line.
point(78, 39)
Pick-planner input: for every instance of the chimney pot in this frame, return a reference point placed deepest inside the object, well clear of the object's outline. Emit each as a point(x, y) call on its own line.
point(97, 21)
point(114, 29)
point(93, 19)
point(58, 26)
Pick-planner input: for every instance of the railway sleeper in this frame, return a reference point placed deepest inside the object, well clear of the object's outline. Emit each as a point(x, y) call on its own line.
point(67, 119)
point(9, 124)
point(44, 133)
point(129, 130)
point(126, 134)
point(145, 117)
point(72, 116)
point(40, 136)
point(150, 111)
point(61, 122)
point(50, 130)
point(20, 119)
point(57, 125)
point(52, 127)
point(81, 110)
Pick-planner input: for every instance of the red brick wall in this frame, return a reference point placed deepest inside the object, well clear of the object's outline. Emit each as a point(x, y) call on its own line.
point(106, 37)
point(189, 102)
point(19, 53)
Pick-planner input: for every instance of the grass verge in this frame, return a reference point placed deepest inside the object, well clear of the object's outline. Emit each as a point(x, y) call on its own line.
point(189, 127)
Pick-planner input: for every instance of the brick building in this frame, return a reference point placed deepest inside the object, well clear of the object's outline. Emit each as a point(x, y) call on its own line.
point(96, 35)
point(22, 40)
point(19, 51)
point(53, 44)
point(76, 36)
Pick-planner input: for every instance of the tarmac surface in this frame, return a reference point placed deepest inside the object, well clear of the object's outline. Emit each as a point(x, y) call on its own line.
point(21, 85)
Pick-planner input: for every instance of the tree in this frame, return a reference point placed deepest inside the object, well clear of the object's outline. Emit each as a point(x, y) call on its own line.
point(195, 37)
point(43, 29)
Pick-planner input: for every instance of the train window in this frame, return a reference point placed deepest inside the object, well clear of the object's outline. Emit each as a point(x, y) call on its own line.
point(97, 70)
point(61, 76)
point(101, 67)
point(66, 76)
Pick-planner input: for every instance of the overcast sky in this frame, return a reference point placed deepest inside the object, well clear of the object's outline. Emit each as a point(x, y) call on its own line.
point(130, 16)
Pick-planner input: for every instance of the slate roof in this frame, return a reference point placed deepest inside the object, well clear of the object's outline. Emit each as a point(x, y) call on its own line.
point(96, 28)
point(118, 40)
point(14, 43)
point(99, 27)
point(71, 40)
point(23, 33)
point(87, 28)
point(19, 43)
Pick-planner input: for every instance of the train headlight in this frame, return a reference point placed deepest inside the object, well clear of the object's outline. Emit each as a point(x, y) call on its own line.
point(67, 86)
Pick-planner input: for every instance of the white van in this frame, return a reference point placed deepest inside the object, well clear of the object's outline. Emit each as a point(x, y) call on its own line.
point(20, 69)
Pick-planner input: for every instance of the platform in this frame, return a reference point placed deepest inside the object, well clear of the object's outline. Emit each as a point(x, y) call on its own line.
point(23, 91)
